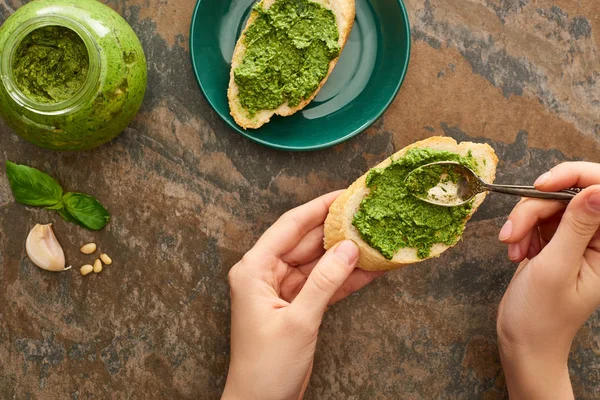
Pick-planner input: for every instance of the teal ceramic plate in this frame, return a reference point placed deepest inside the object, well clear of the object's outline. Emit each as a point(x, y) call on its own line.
point(361, 87)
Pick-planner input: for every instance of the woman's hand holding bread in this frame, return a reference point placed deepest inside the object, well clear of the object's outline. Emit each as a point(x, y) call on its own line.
point(279, 293)
point(282, 286)
point(557, 287)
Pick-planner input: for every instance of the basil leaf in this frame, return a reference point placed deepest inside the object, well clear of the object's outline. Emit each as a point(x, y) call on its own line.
point(60, 209)
point(66, 216)
point(57, 207)
point(84, 210)
point(32, 187)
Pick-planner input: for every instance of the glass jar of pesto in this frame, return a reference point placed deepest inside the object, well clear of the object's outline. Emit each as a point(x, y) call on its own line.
point(73, 73)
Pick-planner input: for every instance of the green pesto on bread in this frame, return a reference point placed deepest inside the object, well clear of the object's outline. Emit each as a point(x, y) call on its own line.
point(284, 56)
point(391, 228)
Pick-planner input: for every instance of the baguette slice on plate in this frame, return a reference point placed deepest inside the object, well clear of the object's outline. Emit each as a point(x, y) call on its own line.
point(338, 225)
point(344, 11)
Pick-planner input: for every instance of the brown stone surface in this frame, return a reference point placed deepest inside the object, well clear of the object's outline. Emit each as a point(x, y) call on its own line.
point(189, 196)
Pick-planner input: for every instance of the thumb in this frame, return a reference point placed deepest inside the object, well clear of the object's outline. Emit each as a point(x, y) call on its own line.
point(326, 279)
point(578, 225)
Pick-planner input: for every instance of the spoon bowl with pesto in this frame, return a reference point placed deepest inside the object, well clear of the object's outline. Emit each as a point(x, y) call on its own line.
point(452, 184)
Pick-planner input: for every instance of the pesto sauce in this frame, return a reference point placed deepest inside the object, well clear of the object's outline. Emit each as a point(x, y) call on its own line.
point(390, 217)
point(421, 180)
point(51, 64)
point(288, 50)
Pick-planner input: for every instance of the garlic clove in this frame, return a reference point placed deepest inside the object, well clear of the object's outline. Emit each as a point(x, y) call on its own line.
point(44, 250)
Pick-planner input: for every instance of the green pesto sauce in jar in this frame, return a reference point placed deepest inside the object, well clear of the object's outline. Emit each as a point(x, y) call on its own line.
point(288, 51)
point(51, 64)
point(111, 92)
point(390, 217)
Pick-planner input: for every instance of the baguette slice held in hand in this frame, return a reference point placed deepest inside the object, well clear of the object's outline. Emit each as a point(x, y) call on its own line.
point(296, 68)
point(418, 222)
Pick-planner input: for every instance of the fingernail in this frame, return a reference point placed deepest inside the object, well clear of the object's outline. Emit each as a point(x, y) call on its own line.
point(506, 231)
point(594, 201)
point(542, 179)
point(348, 251)
point(513, 251)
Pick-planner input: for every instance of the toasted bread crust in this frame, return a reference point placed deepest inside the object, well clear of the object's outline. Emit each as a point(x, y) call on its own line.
point(338, 225)
point(344, 11)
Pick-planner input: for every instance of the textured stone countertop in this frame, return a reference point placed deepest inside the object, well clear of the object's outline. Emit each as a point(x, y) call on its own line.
point(188, 196)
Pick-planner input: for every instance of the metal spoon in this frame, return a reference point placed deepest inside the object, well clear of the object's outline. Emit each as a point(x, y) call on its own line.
point(467, 185)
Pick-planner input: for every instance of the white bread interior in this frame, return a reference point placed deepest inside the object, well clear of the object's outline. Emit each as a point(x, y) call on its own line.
point(344, 11)
point(338, 225)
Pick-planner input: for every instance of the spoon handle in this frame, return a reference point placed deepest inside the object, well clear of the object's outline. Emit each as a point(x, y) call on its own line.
point(531, 191)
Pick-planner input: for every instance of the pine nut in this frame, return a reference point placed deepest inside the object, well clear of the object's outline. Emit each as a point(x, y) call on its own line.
point(89, 248)
point(97, 266)
point(86, 269)
point(106, 259)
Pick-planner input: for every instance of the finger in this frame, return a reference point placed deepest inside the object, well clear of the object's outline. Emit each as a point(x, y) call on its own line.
point(292, 284)
point(357, 280)
point(524, 245)
point(595, 242)
point(292, 226)
point(548, 228)
point(249, 278)
point(328, 276)
point(307, 268)
point(308, 249)
point(535, 245)
point(577, 227)
point(517, 252)
point(570, 174)
point(514, 252)
point(296, 279)
point(527, 214)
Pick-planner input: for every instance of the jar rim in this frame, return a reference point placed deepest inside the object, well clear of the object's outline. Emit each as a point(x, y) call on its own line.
point(89, 86)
